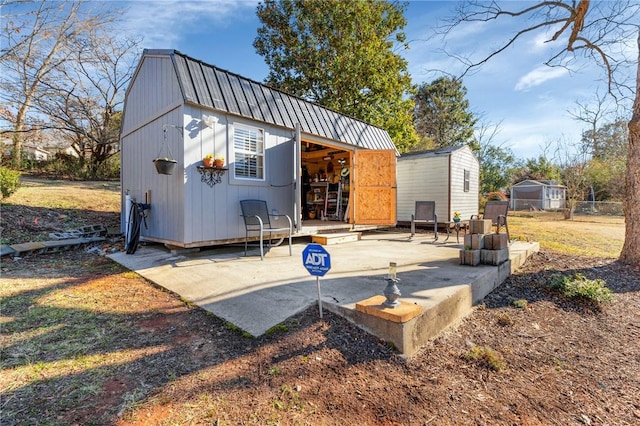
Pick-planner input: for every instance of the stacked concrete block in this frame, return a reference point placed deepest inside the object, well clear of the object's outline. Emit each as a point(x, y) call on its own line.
point(482, 247)
point(474, 241)
point(496, 241)
point(470, 257)
point(496, 249)
point(494, 257)
point(473, 245)
point(480, 226)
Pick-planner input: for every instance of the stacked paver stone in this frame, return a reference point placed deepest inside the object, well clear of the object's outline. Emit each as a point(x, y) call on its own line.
point(483, 247)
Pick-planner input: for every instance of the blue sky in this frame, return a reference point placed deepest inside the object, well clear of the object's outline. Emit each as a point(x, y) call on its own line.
point(515, 90)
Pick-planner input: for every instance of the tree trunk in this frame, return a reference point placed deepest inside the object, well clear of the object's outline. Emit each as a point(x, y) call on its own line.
point(18, 137)
point(631, 250)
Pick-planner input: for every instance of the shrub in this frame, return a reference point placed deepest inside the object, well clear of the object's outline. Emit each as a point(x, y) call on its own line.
point(486, 357)
point(9, 181)
point(497, 196)
point(491, 196)
point(504, 319)
point(580, 286)
point(520, 303)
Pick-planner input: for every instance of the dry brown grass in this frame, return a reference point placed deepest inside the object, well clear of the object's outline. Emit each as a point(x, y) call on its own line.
point(596, 236)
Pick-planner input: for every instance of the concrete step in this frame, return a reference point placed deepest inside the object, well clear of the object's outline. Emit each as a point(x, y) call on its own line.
point(336, 238)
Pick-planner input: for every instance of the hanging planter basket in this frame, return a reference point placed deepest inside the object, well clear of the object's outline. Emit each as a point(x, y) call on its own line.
point(165, 166)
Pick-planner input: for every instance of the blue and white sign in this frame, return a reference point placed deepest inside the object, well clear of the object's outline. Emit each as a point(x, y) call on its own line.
point(316, 259)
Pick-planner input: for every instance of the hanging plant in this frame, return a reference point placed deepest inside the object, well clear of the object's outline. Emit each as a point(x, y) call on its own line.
point(165, 165)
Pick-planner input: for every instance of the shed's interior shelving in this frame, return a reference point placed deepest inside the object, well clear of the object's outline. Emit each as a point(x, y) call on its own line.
point(325, 182)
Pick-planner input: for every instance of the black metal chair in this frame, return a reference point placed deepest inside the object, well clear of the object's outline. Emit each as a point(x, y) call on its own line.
point(497, 211)
point(257, 219)
point(425, 213)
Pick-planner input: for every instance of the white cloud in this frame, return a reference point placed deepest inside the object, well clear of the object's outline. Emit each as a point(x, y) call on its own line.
point(165, 22)
point(540, 75)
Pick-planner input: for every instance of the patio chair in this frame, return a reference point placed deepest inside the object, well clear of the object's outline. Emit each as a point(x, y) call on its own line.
point(425, 213)
point(257, 219)
point(497, 211)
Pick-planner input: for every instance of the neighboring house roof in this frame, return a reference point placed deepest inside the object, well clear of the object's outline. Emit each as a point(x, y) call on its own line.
point(435, 152)
point(8, 143)
point(212, 87)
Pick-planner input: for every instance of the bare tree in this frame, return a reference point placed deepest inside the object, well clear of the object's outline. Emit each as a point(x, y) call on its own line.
point(36, 45)
point(497, 162)
point(592, 116)
point(572, 159)
point(85, 102)
point(596, 32)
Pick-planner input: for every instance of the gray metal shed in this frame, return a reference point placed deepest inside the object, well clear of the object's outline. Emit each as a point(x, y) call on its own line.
point(179, 104)
point(532, 194)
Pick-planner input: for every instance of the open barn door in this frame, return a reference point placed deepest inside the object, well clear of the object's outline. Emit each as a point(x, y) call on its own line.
point(374, 181)
point(297, 181)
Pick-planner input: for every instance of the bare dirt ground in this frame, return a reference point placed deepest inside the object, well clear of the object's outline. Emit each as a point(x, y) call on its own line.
point(86, 342)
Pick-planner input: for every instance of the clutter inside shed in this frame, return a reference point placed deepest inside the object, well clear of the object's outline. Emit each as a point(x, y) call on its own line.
point(325, 182)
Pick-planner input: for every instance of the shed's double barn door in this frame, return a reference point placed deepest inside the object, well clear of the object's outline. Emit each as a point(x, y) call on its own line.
point(374, 182)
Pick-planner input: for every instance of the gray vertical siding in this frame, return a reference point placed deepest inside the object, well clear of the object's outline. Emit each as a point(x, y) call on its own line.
point(213, 213)
point(139, 175)
point(155, 90)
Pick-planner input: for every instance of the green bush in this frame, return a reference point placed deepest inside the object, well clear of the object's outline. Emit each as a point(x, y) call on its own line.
point(110, 169)
point(9, 181)
point(64, 166)
point(578, 285)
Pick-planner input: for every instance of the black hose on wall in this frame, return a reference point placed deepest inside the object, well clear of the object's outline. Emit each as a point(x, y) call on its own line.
point(137, 215)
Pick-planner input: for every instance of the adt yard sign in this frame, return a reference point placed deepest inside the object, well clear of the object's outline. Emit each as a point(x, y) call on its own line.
point(316, 259)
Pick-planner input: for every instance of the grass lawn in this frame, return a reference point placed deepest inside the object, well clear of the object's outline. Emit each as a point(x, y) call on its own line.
point(593, 236)
point(84, 341)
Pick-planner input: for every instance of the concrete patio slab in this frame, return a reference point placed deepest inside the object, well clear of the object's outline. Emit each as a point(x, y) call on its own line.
point(257, 295)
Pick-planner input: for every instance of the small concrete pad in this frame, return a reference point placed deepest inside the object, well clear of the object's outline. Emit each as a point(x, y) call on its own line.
point(401, 313)
point(336, 238)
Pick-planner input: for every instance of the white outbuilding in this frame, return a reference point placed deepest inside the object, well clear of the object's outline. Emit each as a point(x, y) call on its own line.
point(276, 148)
point(449, 176)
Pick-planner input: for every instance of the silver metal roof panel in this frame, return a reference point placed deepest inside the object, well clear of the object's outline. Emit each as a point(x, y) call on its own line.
point(212, 87)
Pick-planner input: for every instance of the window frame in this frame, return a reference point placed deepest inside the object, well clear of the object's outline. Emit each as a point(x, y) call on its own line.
point(235, 151)
point(466, 180)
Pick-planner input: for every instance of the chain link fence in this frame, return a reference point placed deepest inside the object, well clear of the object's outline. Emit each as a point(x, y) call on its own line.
point(600, 208)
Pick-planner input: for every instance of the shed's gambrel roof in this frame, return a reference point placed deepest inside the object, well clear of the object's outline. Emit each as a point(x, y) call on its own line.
point(212, 87)
point(532, 182)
